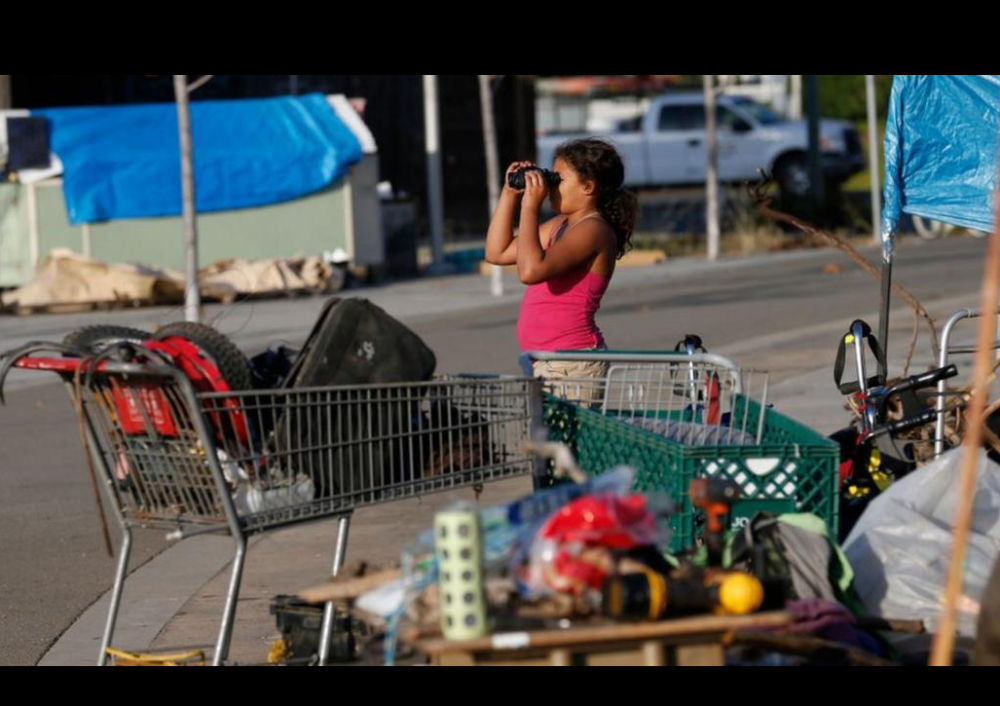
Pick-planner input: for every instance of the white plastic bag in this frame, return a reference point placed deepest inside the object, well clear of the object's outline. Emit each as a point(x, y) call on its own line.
point(902, 545)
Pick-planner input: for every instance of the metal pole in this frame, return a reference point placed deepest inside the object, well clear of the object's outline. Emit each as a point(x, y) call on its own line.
point(492, 168)
point(192, 294)
point(795, 100)
point(435, 198)
point(712, 181)
point(815, 166)
point(873, 159)
point(6, 99)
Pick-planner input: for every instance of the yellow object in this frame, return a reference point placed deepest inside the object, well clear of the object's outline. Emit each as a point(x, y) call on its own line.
point(657, 595)
point(849, 339)
point(191, 658)
point(881, 480)
point(739, 594)
point(279, 653)
point(856, 492)
point(459, 548)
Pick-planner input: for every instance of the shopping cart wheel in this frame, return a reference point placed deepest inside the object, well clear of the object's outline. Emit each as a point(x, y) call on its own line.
point(97, 339)
point(229, 359)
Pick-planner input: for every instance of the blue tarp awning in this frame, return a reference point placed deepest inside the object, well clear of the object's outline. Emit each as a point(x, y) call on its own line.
point(942, 150)
point(124, 161)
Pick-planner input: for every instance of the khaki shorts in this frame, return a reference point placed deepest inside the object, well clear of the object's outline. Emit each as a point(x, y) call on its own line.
point(584, 379)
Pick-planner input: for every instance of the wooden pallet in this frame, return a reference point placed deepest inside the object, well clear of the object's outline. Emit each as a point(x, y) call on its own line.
point(698, 641)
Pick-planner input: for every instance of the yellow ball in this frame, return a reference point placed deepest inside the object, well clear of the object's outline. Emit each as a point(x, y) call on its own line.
point(740, 594)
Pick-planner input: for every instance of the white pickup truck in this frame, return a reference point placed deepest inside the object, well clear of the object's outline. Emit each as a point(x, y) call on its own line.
point(666, 146)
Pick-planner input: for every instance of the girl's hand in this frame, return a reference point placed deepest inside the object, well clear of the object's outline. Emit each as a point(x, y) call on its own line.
point(535, 190)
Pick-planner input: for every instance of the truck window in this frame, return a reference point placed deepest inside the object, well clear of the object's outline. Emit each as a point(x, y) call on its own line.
point(682, 117)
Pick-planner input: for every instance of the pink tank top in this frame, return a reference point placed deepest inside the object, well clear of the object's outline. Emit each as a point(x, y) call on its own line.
point(558, 315)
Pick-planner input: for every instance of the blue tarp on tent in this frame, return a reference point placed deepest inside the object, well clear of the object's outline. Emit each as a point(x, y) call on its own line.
point(124, 161)
point(942, 150)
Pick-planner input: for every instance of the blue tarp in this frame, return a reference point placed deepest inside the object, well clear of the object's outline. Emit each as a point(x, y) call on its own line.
point(124, 161)
point(942, 150)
